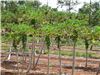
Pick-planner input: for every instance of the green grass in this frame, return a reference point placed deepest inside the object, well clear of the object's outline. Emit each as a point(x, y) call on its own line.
point(78, 54)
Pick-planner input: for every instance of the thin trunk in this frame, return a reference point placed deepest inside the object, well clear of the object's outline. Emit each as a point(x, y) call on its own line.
point(86, 57)
point(60, 61)
point(23, 56)
point(73, 64)
point(33, 54)
point(39, 55)
point(91, 48)
point(47, 40)
point(17, 56)
point(58, 46)
point(38, 59)
point(30, 62)
point(98, 71)
point(32, 59)
point(43, 51)
point(86, 47)
point(48, 72)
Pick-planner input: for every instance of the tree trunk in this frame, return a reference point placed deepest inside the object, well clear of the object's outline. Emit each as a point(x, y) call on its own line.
point(38, 59)
point(86, 47)
point(58, 39)
point(33, 54)
point(17, 56)
point(98, 71)
point(30, 62)
point(91, 47)
point(23, 59)
point(39, 55)
point(73, 64)
point(47, 40)
point(43, 47)
point(60, 61)
point(48, 72)
point(86, 57)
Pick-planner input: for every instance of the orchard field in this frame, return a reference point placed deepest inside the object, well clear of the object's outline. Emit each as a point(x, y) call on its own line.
point(37, 39)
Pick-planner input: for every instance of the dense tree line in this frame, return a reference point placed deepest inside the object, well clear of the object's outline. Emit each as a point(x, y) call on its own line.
point(23, 19)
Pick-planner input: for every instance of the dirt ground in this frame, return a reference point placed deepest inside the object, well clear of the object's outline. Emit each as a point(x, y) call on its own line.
point(9, 68)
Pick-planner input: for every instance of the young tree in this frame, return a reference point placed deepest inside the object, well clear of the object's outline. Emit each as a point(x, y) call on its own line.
point(85, 35)
point(47, 40)
point(48, 31)
point(73, 25)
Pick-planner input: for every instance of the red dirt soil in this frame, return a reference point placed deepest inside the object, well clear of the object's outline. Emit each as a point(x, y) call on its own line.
point(41, 69)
